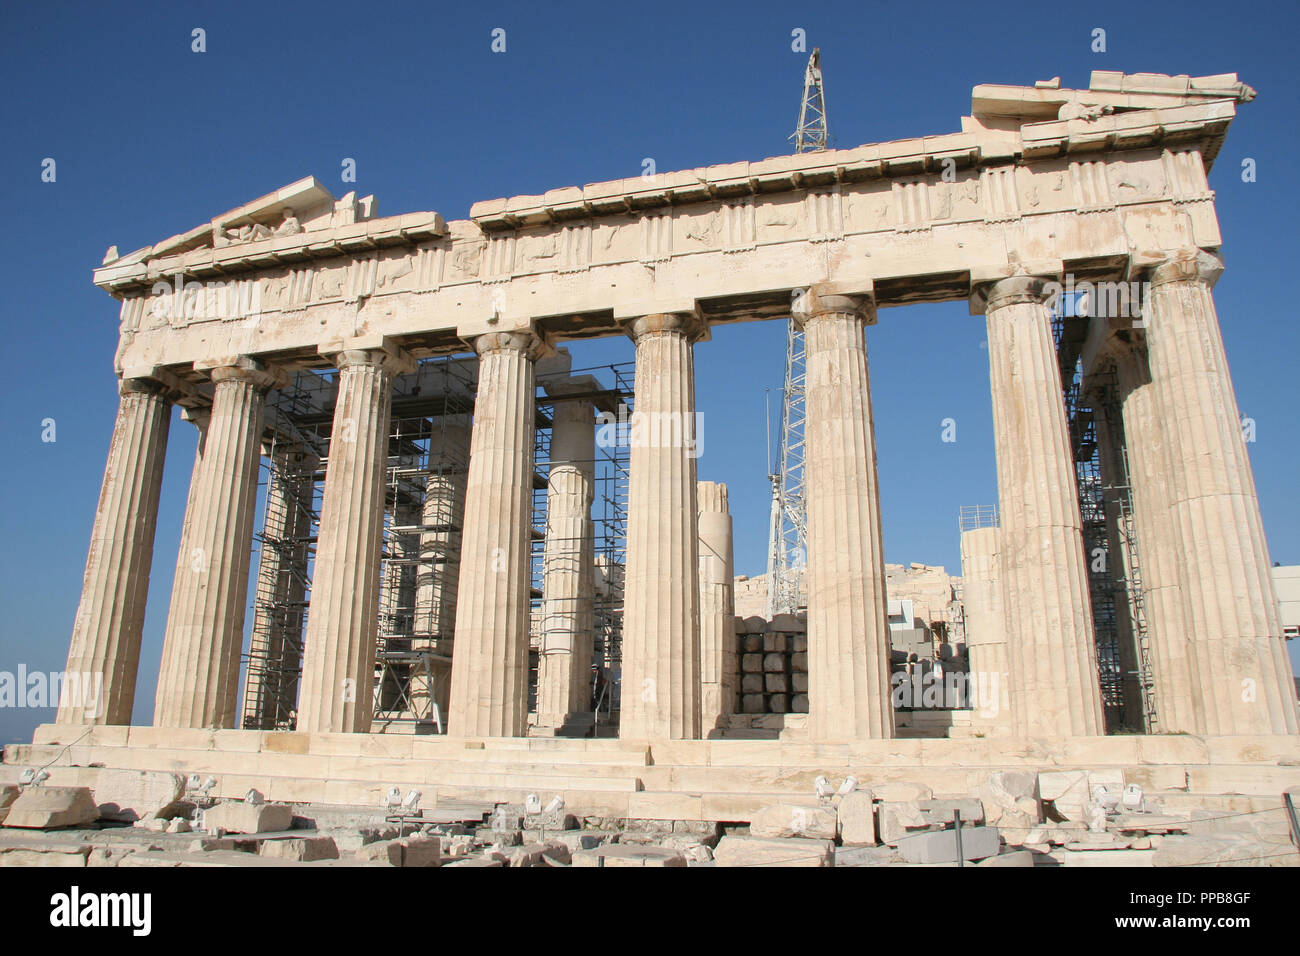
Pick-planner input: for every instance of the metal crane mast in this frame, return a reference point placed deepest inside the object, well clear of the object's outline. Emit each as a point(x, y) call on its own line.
point(788, 537)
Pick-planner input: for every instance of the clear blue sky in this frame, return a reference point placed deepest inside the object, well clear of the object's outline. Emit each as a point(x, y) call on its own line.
point(151, 139)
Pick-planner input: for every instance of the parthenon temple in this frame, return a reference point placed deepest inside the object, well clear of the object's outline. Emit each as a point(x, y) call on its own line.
point(478, 570)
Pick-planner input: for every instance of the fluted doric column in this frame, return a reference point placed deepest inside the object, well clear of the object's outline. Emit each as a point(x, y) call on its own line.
point(1053, 654)
point(489, 672)
point(717, 607)
point(1230, 605)
point(986, 628)
point(568, 562)
point(104, 657)
point(342, 623)
point(442, 517)
point(848, 634)
point(1159, 548)
point(661, 618)
point(198, 685)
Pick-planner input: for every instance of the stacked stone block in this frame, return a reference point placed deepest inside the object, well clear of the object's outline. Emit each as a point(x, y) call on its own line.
point(773, 659)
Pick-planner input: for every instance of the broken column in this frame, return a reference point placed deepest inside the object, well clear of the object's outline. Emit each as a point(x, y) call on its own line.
point(717, 607)
point(99, 686)
point(986, 629)
point(848, 635)
point(1176, 683)
point(1230, 605)
point(568, 563)
point(198, 683)
point(342, 623)
point(489, 675)
point(661, 622)
point(1054, 659)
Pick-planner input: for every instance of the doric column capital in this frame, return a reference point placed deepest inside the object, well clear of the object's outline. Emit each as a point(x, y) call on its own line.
point(247, 369)
point(388, 360)
point(1188, 265)
point(818, 301)
point(1019, 290)
point(667, 323)
point(527, 341)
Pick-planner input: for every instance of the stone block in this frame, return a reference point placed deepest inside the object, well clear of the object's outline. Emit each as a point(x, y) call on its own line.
point(774, 643)
point(799, 682)
point(799, 662)
point(775, 684)
point(778, 704)
point(774, 663)
point(752, 663)
point(900, 791)
point(799, 644)
point(1066, 793)
point(130, 795)
point(477, 861)
point(788, 624)
point(799, 704)
point(407, 852)
point(866, 856)
point(941, 846)
point(8, 794)
point(52, 808)
point(785, 821)
point(897, 820)
point(1012, 858)
point(857, 819)
point(755, 624)
point(553, 820)
point(751, 684)
point(752, 644)
point(238, 817)
point(300, 849)
point(752, 704)
point(72, 855)
point(1221, 849)
point(760, 851)
point(619, 855)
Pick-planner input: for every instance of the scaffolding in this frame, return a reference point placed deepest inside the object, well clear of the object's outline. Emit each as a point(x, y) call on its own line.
point(428, 456)
point(1113, 583)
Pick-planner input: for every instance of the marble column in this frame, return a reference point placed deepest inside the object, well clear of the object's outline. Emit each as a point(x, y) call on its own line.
point(848, 635)
point(661, 618)
point(198, 684)
point(99, 686)
point(338, 672)
point(1159, 551)
point(1053, 654)
point(1230, 606)
point(442, 517)
point(986, 630)
point(489, 672)
point(271, 680)
point(717, 607)
point(568, 563)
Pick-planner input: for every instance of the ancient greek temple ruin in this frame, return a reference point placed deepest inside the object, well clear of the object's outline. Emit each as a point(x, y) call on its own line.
point(437, 569)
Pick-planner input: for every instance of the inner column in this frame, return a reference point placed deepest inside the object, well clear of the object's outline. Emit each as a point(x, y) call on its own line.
point(568, 564)
point(489, 673)
point(343, 619)
point(848, 635)
point(1053, 649)
point(661, 618)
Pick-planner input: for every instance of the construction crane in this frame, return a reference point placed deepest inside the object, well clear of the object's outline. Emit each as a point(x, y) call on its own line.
point(788, 533)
